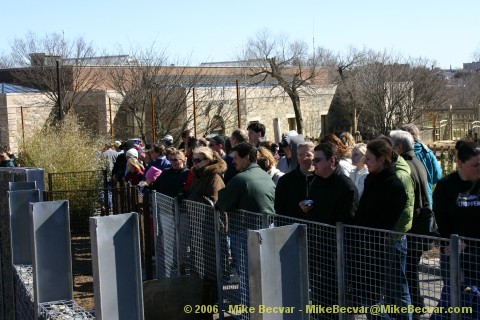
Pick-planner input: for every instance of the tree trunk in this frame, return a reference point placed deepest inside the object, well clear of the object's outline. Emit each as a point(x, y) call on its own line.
point(298, 113)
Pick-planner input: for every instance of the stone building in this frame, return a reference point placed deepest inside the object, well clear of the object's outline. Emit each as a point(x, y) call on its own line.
point(210, 107)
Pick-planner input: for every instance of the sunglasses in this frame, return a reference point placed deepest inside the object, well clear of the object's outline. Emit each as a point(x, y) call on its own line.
point(175, 160)
point(317, 160)
point(197, 160)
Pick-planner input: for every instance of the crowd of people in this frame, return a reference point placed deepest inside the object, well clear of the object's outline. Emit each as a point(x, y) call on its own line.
point(381, 184)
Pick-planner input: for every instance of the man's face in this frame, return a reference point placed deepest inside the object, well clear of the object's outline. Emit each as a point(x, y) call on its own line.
point(254, 137)
point(323, 165)
point(305, 156)
point(239, 162)
point(215, 146)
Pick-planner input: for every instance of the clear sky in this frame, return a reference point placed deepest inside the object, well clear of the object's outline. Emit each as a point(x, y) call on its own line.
point(443, 30)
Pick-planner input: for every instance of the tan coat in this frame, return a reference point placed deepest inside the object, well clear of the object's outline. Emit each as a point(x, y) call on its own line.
point(207, 181)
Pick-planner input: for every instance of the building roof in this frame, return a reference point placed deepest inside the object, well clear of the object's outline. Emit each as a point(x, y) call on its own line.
point(12, 88)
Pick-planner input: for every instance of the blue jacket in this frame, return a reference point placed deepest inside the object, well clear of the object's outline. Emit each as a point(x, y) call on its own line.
point(429, 160)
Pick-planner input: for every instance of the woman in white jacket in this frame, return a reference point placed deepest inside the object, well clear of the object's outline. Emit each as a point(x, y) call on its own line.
point(360, 170)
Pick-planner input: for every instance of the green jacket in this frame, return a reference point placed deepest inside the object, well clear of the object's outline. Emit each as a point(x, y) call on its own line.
point(252, 189)
point(402, 170)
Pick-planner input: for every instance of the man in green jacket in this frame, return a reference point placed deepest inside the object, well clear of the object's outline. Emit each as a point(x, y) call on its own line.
point(252, 189)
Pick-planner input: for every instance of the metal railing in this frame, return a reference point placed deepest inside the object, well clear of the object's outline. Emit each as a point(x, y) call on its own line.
point(349, 266)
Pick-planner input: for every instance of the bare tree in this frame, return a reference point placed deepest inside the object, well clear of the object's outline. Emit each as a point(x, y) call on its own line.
point(34, 59)
point(282, 63)
point(152, 78)
point(382, 90)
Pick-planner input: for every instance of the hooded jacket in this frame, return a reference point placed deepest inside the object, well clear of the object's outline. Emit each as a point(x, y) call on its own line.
point(429, 160)
point(403, 172)
point(207, 181)
point(284, 164)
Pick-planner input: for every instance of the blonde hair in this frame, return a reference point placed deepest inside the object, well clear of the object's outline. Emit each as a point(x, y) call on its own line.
point(347, 139)
point(136, 164)
point(360, 147)
point(205, 151)
point(265, 159)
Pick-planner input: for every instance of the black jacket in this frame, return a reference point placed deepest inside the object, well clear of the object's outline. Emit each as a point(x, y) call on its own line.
point(335, 199)
point(171, 182)
point(420, 180)
point(456, 204)
point(292, 188)
point(382, 201)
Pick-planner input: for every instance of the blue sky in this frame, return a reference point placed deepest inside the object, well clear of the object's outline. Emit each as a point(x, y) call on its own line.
point(445, 31)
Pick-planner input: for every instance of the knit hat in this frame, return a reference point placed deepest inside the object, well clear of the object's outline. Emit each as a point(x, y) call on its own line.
point(153, 173)
point(132, 153)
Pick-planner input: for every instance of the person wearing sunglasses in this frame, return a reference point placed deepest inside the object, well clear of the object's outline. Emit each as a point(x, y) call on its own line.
point(333, 198)
point(208, 168)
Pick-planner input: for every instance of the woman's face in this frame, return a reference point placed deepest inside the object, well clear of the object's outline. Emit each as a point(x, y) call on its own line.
point(176, 162)
point(199, 160)
point(470, 169)
point(374, 164)
point(358, 159)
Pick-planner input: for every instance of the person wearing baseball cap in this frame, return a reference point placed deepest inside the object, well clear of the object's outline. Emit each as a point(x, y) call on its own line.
point(217, 143)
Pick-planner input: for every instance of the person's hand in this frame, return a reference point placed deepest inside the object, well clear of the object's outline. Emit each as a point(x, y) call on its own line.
point(461, 247)
point(304, 207)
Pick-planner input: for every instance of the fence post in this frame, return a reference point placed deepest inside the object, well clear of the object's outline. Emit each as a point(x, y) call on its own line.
point(455, 274)
point(341, 266)
point(147, 235)
point(178, 235)
point(50, 182)
point(218, 257)
point(265, 220)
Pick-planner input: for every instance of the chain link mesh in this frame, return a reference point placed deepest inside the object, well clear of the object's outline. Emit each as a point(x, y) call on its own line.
point(348, 265)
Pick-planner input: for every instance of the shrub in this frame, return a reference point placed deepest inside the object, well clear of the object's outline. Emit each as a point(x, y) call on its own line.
point(72, 155)
point(65, 148)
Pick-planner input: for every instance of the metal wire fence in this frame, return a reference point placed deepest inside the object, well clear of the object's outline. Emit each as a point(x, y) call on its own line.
point(372, 272)
point(63, 309)
point(23, 283)
point(94, 179)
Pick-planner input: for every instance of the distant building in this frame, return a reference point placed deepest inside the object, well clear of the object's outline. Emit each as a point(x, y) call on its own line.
point(472, 66)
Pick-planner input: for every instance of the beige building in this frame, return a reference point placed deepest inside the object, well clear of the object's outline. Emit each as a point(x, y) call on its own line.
point(216, 108)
